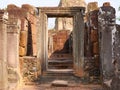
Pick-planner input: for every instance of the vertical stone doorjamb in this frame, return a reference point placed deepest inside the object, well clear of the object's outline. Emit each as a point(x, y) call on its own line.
point(78, 44)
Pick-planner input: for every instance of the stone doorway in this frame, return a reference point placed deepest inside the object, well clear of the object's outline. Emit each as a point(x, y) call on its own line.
point(60, 53)
point(78, 35)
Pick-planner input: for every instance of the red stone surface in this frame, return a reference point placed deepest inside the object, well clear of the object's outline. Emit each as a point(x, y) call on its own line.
point(28, 22)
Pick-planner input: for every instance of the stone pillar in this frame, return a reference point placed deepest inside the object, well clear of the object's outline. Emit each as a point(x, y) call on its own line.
point(13, 49)
point(78, 44)
point(106, 20)
point(3, 50)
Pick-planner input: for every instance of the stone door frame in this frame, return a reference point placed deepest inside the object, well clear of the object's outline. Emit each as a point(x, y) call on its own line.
point(77, 14)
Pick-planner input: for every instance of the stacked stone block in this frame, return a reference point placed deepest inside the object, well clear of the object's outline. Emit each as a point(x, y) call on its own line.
point(59, 43)
point(28, 34)
point(92, 64)
point(30, 69)
point(60, 39)
point(27, 15)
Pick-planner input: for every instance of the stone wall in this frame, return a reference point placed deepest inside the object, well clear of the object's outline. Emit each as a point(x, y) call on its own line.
point(27, 15)
point(92, 61)
point(98, 42)
point(29, 68)
point(59, 44)
point(27, 38)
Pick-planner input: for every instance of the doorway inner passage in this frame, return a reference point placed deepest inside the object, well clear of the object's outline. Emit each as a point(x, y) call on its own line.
point(60, 45)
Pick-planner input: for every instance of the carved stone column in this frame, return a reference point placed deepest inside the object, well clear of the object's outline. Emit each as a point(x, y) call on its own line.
point(3, 51)
point(13, 49)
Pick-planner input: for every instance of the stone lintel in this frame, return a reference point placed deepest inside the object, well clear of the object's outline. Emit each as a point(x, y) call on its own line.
point(61, 11)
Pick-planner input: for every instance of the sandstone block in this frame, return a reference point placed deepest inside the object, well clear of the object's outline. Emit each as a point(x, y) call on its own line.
point(60, 83)
point(24, 24)
point(106, 4)
point(94, 35)
point(22, 51)
point(34, 49)
point(29, 68)
point(92, 6)
point(97, 62)
point(95, 48)
point(23, 38)
point(12, 6)
point(29, 8)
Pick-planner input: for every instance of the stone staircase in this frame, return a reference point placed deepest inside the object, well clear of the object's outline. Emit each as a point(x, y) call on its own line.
point(60, 64)
point(58, 74)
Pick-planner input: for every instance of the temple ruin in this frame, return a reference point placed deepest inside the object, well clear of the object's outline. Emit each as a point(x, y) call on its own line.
point(85, 52)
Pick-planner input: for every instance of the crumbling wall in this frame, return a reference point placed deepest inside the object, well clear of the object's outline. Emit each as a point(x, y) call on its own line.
point(27, 15)
point(59, 44)
point(28, 38)
point(92, 61)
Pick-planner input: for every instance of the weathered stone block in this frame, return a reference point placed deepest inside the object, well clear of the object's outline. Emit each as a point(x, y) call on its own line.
point(92, 6)
point(23, 39)
point(97, 61)
point(30, 68)
point(106, 4)
point(94, 35)
point(24, 24)
point(12, 6)
point(60, 83)
point(13, 76)
point(60, 40)
point(22, 51)
point(95, 48)
point(29, 8)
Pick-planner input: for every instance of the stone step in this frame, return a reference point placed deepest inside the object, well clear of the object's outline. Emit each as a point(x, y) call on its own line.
point(60, 64)
point(55, 74)
point(59, 83)
point(60, 60)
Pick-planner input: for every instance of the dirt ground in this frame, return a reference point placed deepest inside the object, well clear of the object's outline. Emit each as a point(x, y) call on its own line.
point(49, 87)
